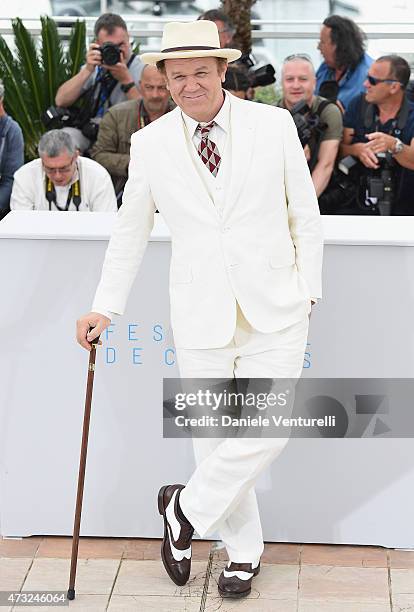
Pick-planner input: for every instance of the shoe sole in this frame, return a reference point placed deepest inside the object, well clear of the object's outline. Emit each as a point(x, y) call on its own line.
point(228, 595)
point(161, 510)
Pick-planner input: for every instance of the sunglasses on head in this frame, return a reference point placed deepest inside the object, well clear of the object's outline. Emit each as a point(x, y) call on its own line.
point(302, 56)
point(374, 81)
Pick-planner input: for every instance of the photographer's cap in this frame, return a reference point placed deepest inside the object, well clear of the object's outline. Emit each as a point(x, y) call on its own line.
point(188, 40)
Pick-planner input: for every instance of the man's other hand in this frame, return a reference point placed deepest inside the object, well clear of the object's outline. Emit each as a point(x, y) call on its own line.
point(120, 71)
point(92, 320)
point(93, 57)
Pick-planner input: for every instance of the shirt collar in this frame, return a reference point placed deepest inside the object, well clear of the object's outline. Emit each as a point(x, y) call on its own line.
point(222, 118)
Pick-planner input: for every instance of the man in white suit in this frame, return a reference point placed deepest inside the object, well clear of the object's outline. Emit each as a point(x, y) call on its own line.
point(231, 181)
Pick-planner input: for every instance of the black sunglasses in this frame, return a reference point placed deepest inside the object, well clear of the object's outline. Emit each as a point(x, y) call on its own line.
point(374, 81)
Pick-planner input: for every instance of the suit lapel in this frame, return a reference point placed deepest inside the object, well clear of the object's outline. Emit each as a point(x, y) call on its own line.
point(176, 145)
point(242, 130)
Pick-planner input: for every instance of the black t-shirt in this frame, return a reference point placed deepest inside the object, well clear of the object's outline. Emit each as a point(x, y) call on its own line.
point(354, 118)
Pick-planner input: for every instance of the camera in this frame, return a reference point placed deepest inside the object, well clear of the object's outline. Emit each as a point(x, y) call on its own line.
point(57, 117)
point(329, 90)
point(303, 125)
point(262, 76)
point(90, 130)
point(380, 186)
point(111, 53)
point(372, 191)
point(259, 76)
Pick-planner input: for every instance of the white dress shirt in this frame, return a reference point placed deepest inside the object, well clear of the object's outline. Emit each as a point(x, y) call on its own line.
point(216, 186)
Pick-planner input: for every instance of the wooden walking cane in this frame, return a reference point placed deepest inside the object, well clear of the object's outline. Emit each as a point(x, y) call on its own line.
point(82, 466)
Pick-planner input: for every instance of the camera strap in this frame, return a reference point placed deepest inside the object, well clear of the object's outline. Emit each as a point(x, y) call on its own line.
point(74, 195)
point(106, 83)
point(143, 117)
point(317, 131)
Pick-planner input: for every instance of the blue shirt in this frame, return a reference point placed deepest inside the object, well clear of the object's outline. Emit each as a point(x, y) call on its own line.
point(351, 82)
point(354, 118)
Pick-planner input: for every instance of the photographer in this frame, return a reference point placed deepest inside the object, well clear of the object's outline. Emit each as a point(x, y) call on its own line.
point(110, 75)
point(111, 149)
point(318, 121)
point(345, 65)
point(379, 132)
point(237, 82)
point(258, 73)
point(61, 180)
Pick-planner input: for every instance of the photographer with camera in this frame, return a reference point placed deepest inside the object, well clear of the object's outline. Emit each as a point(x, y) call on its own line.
point(318, 121)
point(110, 75)
point(258, 73)
point(61, 180)
point(111, 149)
point(237, 82)
point(378, 134)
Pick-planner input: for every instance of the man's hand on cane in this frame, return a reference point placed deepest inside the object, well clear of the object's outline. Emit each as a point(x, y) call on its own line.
point(94, 320)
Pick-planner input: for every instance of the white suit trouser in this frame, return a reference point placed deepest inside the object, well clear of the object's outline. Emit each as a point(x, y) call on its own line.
point(220, 494)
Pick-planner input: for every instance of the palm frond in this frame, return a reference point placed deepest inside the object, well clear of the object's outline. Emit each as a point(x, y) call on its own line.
point(76, 52)
point(15, 99)
point(29, 64)
point(52, 59)
point(31, 79)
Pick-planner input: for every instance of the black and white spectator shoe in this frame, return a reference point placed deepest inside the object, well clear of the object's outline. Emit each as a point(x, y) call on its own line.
point(236, 579)
point(178, 532)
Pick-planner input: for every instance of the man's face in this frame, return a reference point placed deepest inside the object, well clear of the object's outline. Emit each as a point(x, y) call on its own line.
point(381, 92)
point(225, 36)
point(118, 37)
point(298, 82)
point(154, 91)
point(60, 169)
point(326, 47)
point(195, 85)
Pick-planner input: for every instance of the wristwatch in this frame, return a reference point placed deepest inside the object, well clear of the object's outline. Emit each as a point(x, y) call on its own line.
point(397, 148)
point(125, 88)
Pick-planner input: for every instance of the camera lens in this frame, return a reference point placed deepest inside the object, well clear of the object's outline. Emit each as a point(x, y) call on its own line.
point(111, 54)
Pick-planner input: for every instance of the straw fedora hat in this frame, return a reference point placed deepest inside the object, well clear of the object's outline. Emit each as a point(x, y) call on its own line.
point(193, 39)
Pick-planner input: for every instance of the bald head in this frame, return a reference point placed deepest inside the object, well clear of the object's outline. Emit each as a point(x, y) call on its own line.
point(298, 81)
point(154, 91)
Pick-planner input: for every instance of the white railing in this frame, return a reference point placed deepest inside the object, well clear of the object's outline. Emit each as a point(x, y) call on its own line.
point(148, 27)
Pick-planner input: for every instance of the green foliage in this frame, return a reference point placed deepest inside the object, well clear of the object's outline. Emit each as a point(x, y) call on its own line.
point(135, 46)
point(267, 95)
point(35, 71)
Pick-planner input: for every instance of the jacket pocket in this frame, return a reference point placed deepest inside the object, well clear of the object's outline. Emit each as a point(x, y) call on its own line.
point(181, 274)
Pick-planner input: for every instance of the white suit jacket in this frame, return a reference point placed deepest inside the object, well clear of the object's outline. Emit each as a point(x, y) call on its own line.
point(265, 251)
